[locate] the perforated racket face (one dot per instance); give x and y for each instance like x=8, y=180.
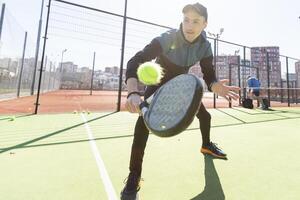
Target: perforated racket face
x=172, y=104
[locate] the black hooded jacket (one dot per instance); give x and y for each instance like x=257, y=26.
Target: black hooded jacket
x=176, y=55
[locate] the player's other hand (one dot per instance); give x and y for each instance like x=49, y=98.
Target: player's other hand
x=228, y=92
x=133, y=102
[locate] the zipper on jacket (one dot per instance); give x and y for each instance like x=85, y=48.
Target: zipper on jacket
x=187, y=56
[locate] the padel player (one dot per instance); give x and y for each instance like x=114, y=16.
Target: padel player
x=176, y=51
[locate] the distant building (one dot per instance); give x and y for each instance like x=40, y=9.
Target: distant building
x=259, y=60
x=68, y=67
x=223, y=63
x=4, y=67
x=227, y=64
x=114, y=70
x=292, y=77
x=292, y=80
x=85, y=70
x=297, y=71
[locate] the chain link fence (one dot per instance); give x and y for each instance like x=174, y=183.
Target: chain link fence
x=87, y=50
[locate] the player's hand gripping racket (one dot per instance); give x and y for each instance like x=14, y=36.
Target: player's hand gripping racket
x=172, y=108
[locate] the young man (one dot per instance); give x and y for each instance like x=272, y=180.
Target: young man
x=176, y=51
x=254, y=90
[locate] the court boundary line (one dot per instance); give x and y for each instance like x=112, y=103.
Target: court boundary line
x=110, y=191
x=232, y=116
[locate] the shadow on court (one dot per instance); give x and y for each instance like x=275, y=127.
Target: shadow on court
x=27, y=143
x=213, y=189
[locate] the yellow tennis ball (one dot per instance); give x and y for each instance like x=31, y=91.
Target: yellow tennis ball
x=150, y=73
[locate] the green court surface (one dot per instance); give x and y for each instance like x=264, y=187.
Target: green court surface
x=86, y=156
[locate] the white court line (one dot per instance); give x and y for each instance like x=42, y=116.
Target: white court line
x=110, y=191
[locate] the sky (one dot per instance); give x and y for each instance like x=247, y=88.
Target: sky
x=249, y=22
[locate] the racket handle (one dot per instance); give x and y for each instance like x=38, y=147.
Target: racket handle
x=144, y=107
x=145, y=104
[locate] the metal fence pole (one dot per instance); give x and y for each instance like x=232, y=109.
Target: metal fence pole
x=215, y=64
x=281, y=91
x=296, y=90
x=268, y=76
x=230, y=105
x=122, y=57
x=287, y=80
x=244, y=63
x=42, y=62
x=44, y=70
x=22, y=66
x=37, y=50
x=239, y=77
x=257, y=76
x=92, y=79
x=2, y=19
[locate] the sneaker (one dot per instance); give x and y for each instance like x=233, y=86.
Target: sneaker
x=213, y=150
x=130, y=191
x=263, y=108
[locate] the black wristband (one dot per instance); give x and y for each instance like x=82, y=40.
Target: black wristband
x=135, y=92
x=210, y=85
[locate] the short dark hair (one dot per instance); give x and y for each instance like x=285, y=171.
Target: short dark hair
x=199, y=8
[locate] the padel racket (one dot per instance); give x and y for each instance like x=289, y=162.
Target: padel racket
x=172, y=108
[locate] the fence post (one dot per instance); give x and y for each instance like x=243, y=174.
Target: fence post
x=244, y=63
x=22, y=66
x=92, y=79
x=239, y=76
x=44, y=70
x=42, y=62
x=122, y=57
x=257, y=72
x=230, y=105
x=268, y=76
x=296, y=92
x=281, y=91
x=287, y=80
x=257, y=76
x=37, y=49
x=215, y=64
x=2, y=19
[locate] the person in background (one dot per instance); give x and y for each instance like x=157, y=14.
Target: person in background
x=254, y=90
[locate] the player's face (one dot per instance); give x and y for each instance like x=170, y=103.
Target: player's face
x=192, y=25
